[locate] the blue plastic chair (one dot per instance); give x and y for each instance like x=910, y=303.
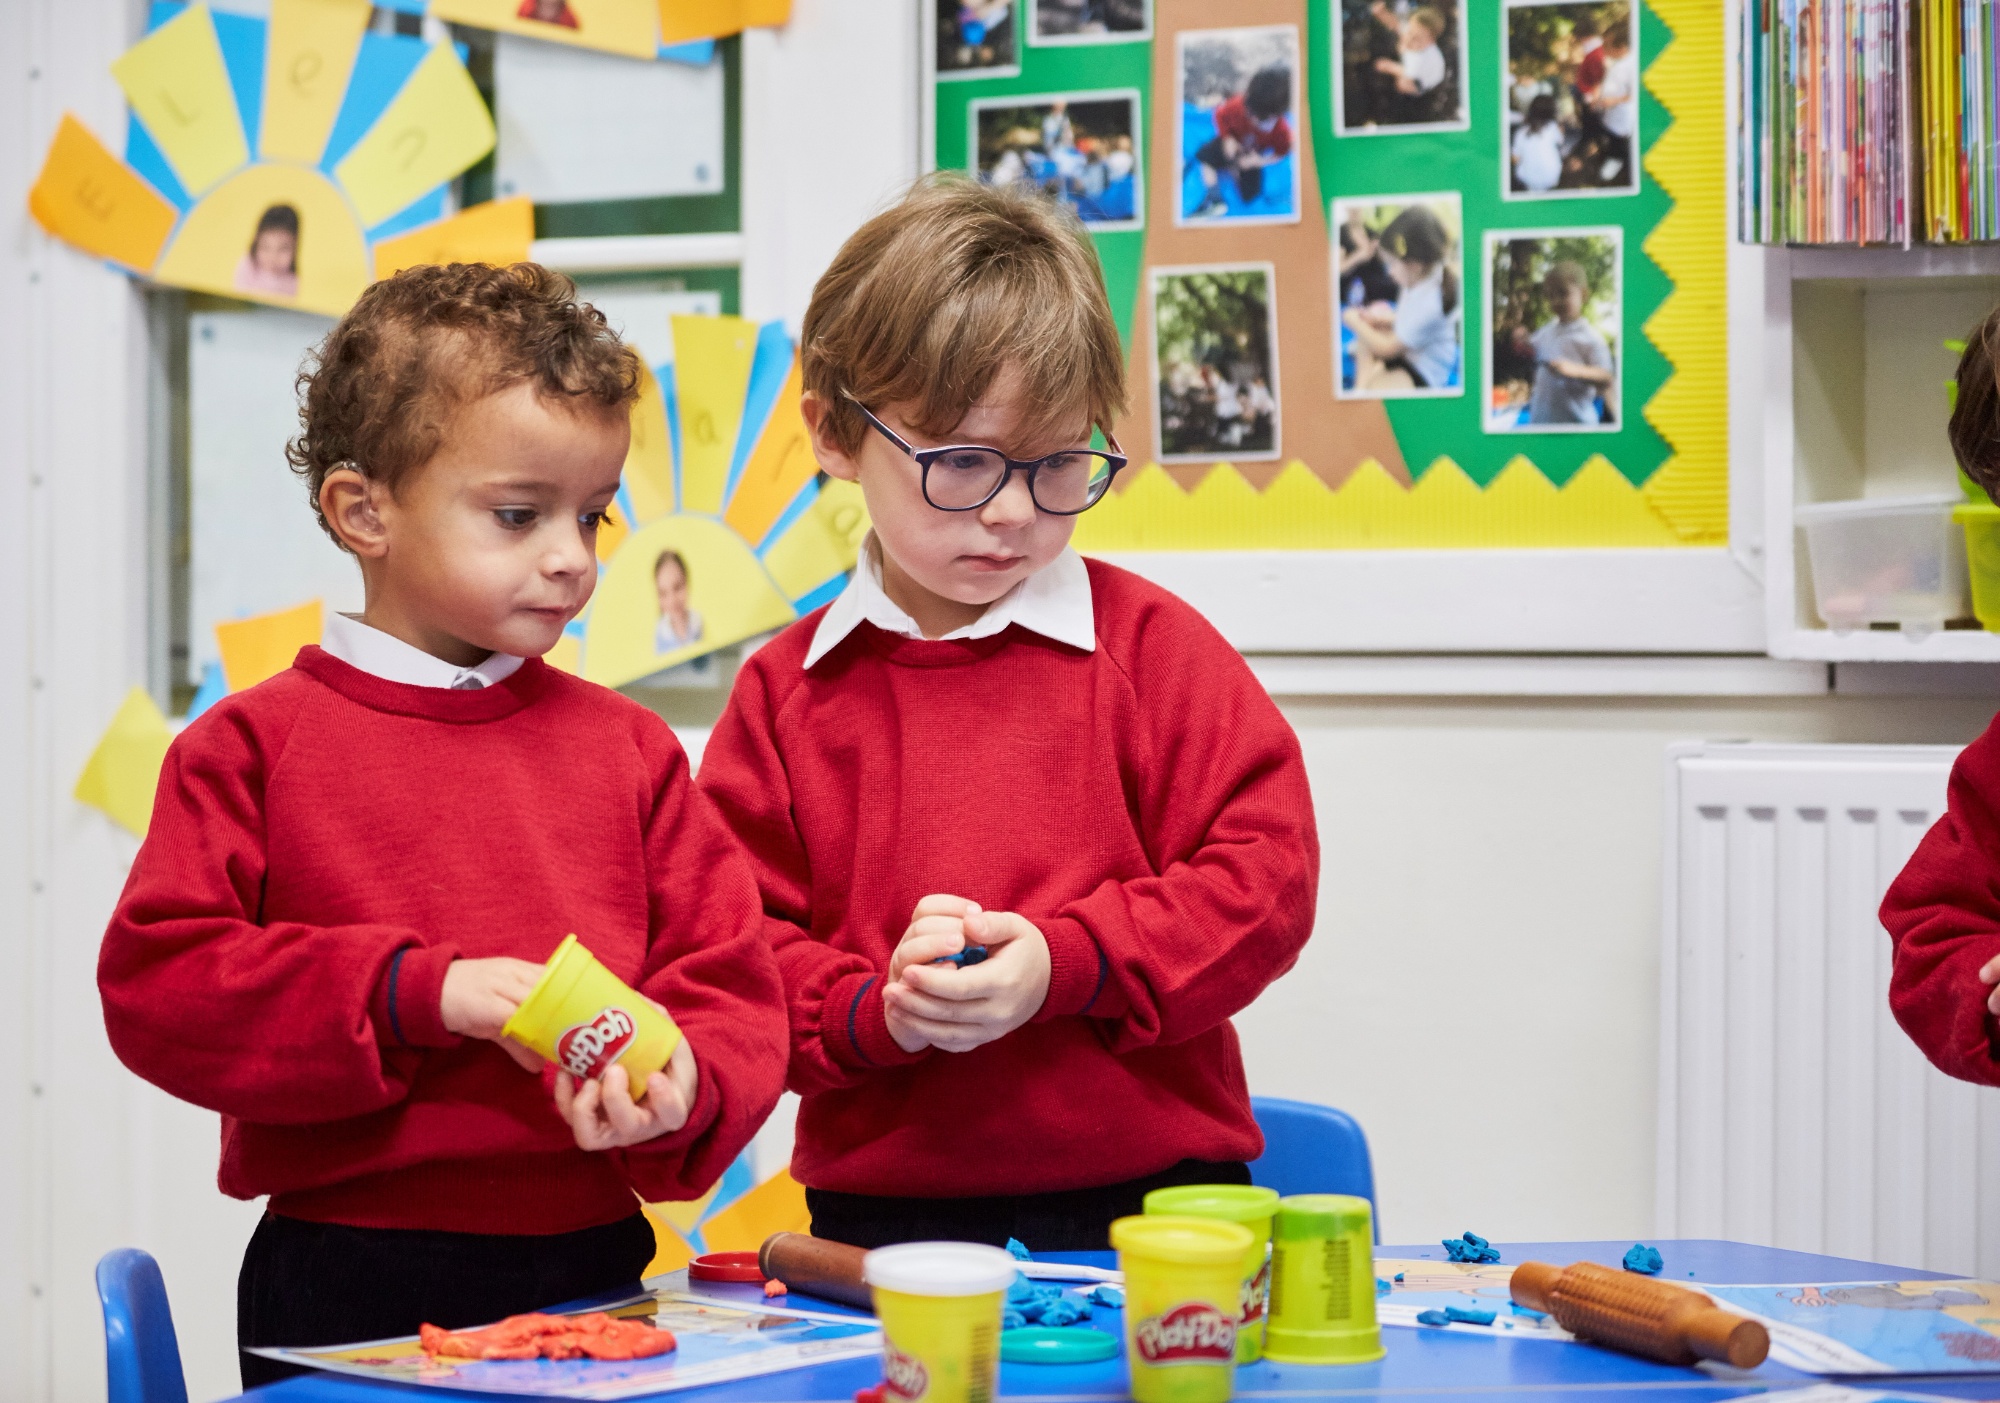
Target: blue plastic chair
x=1312, y=1149
x=142, y=1358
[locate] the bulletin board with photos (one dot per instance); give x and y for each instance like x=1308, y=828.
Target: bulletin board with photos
x=1391, y=273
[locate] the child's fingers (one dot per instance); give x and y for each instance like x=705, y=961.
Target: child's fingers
x=946, y=983
x=1993, y=1002
x=921, y=951
x=943, y=904
x=668, y=1104
x=529, y=1059
x=565, y=1094
x=951, y=1037
x=912, y=1001
x=1990, y=971
x=998, y=927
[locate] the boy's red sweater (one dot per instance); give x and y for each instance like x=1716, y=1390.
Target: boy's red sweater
x=1943, y=913
x=324, y=845
x=1144, y=804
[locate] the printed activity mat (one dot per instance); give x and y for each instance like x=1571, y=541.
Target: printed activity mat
x=1877, y=1327
x=1418, y=1286
x=716, y=1343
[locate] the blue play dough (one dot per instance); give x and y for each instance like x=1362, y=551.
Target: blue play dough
x=1643, y=1259
x=1433, y=1317
x=1470, y=1248
x=1468, y=1315
x=1108, y=1296
x=1382, y=1288
x=1011, y=1319
x=1520, y=1309
x=976, y=955
x=1017, y=1250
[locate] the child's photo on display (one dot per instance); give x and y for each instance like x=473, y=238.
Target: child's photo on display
x=1401, y=67
x=270, y=265
x=1399, y=294
x=1572, y=100
x=1080, y=149
x=978, y=39
x=1554, y=305
x=1215, y=362
x=1239, y=125
x=1089, y=21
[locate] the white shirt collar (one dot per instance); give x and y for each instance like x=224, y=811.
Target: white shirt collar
x=1055, y=602
x=388, y=657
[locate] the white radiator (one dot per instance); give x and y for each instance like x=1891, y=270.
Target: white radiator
x=1793, y=1111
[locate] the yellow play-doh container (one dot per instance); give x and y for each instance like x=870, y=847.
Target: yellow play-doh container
x=1183, y=1291
x=1233, y=1203
x=585, y=1019
x=1323, y=1282
x=939, y=1304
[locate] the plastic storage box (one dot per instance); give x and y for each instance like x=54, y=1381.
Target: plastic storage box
x=1889, y=560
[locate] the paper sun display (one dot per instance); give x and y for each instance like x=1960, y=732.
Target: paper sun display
x=289, y=161
x=683, y=30
x=724, y=529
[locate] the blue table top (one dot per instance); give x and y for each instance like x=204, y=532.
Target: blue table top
x=1421, y=1364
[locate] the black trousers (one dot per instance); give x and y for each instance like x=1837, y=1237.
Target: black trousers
x=322, y=1284
x=1072, y=1220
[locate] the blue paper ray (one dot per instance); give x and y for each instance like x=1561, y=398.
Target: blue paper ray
x=768, y=369
x=427, y=210
x=800, y=505
x=381, y=67
x=147, y=161
x=242, y=39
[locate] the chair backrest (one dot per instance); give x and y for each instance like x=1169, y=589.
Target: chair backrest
x=1312, y=1149
x=142, y=1359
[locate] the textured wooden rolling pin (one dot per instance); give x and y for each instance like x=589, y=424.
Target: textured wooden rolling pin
x=1669, y=1323
x=829, y=1270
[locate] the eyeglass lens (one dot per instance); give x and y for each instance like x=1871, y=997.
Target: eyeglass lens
x=1064, y=484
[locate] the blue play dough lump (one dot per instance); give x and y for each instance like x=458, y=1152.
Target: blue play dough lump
x=1017, y=1250
x=1643, y=1259
x=1065, y=1310
x=1011, y=1319
x=970, y=955
x=1382, y=1288
x=1470, y=1248
x=1468, y=1315
x=1108, y=1296
x=1520, y=1309
x=1433, y=1317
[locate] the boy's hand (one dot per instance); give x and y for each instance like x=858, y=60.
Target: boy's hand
x=603, y=1116
x=958, y=1009
x=1989, y=973
x=479, y=997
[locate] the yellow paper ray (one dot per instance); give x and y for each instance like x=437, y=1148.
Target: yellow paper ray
x=776, y=1205
x=566, y=656
x=209, y=251
x=124, y=769
x=264, y=646
x=780, y=465
x=727, y=588
x=649, y=463
x=497, y=232
x=175, y=80
x=611, y=534
x=712, y=357
x=88, y=197
x=626, y=27
x=822, y=543
x=670, y=1250
x=436, y=127
x=686, y=1216
x=310, y=52
x=685, y=20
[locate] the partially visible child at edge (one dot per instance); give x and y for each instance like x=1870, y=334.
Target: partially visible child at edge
x=1943, y=910
x=987, y=740
x=354, y=868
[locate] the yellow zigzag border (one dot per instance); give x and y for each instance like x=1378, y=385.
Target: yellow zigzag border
x=1684, y=503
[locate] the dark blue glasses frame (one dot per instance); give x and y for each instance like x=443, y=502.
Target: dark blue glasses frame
x=925, y=457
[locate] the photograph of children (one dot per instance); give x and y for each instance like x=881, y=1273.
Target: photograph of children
x=1239, y=117
x=1572, y=99
x=271, y=264
x=1552, y=366
x=977, y=39
x=1399, y=281
x=1215, y=363
x=679, y=626
x=1401, y=67
x=1089, y=21
x=1076, y=148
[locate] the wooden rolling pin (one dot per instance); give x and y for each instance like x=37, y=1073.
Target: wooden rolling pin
x=1669, y=1323
x=829, y=1270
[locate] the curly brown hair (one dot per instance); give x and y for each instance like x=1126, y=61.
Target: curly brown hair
x=378, y=395
x=1975, y=411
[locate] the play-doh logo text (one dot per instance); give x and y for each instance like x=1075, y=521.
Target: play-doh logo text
x=903, y=1375
x=1195, y=1333
x=589, y=1048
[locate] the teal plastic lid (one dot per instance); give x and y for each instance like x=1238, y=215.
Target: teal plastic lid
x=1042, y=1344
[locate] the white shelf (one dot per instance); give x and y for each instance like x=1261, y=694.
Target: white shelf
x=1949, y=645
x=1920, y=261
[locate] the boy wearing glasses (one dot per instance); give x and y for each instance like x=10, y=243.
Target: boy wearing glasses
x=987, y=741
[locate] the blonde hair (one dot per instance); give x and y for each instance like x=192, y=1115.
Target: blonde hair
x=927, y=302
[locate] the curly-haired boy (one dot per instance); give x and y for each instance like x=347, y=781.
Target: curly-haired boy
x=354, y=867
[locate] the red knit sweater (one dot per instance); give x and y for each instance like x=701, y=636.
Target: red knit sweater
x=324, y=845
x=1144, y=804
x=1943, y=913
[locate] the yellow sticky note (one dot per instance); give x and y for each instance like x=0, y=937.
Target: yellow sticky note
x=256, y=648
x=309, y=55
x=88, y=197
x=670, y=1250
x=649, y=463
x=175, y=80
x=433, y=129
x=497, y=232
x=776, y=1205
x=712, y=358
x=685, y=20
x=124, y=770
x=779, y=467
